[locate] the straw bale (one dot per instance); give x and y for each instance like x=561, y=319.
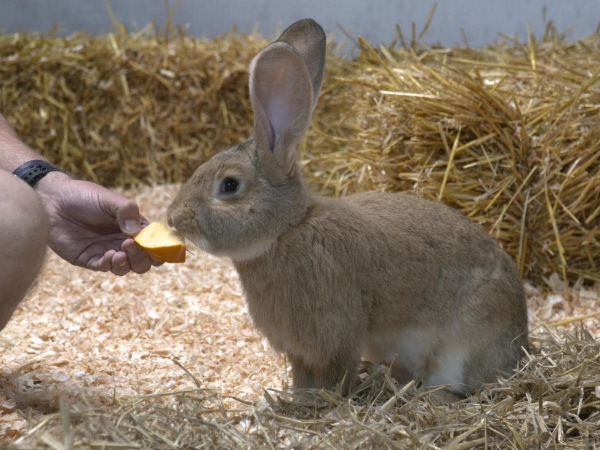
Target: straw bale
x=108, y=346
x=508, y=134
x=125, y=109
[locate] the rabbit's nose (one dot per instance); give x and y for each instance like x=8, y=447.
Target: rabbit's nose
x=173, y=219
x=176, y=219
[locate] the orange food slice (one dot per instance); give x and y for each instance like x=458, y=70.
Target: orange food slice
x=161, y=244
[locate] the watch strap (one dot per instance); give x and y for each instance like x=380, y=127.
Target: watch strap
x=33, y=171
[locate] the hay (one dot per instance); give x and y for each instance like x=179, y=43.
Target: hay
x=507, y=134
x=552, y=402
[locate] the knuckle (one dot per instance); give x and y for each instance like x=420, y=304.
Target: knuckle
x=130, y=205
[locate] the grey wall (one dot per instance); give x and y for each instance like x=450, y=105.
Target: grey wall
x=481, y=20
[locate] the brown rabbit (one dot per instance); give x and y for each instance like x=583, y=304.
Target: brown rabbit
x=393, y=278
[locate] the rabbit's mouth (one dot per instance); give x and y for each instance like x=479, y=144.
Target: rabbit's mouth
x=200, y=241
x=244, y=253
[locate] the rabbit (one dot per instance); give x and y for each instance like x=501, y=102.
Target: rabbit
x=390, y=278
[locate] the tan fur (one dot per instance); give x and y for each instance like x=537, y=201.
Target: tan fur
x=393, y=277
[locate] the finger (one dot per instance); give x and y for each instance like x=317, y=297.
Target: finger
x=120, y=264
x=101, y=263
x=139, y=261
x=119, y=259
x=126, y=211
x=156, y=263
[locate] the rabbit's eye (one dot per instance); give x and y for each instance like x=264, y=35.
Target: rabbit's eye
x=229, y=185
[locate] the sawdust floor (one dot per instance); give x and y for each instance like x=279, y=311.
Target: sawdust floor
x=80, y=332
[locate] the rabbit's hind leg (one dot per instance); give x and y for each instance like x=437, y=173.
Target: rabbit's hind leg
x=446, y=367
x=494, y=357
x=405, y=351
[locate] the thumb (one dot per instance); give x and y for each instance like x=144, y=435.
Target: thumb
x=126, y=211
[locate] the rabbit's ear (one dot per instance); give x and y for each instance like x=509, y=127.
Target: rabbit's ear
x=281, y=95
x=308, y=39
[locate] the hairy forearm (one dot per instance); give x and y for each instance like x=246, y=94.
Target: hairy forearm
x=13, y=151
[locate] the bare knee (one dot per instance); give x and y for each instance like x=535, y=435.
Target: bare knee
x=22, y=218
x=24, y=228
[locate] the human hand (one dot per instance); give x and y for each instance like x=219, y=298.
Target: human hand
x=91, y=226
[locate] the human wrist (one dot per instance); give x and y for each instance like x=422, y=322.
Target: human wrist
x=49, y=187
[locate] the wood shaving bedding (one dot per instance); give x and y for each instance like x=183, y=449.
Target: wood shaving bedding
x=80, y=332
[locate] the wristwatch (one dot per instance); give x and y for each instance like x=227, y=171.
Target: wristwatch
x=33, y=171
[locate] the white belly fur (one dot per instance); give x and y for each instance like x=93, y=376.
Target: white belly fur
x=419, y=353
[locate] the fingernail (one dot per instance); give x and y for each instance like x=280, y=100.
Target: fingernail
x=123, y=263
x=131, y=226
